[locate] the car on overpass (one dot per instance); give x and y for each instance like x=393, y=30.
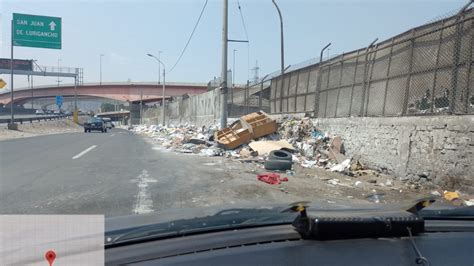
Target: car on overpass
x=95, y=123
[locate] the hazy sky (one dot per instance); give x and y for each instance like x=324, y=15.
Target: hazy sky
x=124, y=31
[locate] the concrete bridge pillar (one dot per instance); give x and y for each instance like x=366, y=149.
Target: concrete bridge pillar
x=134, y=113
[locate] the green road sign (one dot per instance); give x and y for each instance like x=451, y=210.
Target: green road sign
x=36, y=31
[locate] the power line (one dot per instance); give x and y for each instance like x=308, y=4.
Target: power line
x=243, y=21
x=246, y=36
x=190, y=36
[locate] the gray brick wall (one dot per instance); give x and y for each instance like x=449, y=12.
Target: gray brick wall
x=439, y=147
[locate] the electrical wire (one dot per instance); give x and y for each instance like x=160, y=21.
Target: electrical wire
x=190, y=37
x=246, y=36
x=243, y=21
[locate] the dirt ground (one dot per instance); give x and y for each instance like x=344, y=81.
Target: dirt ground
x=232, y=181
x=40, y=128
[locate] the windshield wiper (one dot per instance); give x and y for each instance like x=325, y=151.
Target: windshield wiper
x=223, y=220
x=460, y=213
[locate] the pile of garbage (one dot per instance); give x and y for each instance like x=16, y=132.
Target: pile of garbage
x=253, y=138
x=184, y=138
x=314, y=147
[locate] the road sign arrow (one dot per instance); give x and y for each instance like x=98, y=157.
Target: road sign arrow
x=52, y=25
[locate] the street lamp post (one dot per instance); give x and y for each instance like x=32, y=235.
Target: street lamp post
x=59, y=60
x=233, y=82
x=282, y=52
x=100, y=68
x=159, y=65
x=164, y=86
x=233, y=69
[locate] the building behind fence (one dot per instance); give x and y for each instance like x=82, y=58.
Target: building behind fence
x=426, y=70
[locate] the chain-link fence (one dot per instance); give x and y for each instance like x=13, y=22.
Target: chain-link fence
x=251, y=98
x=426, y=70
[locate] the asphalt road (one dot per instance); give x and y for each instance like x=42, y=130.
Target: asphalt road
x=114, y=173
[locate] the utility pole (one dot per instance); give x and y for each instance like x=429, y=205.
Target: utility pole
x=100, y=67
x=163, y=99
x=282, y=52
x=224, y=66
x=141, y=106
x=75, y=114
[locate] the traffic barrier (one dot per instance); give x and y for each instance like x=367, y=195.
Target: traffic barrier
x=31, y=119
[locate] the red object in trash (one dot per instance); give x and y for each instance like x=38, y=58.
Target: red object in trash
x=271, y=178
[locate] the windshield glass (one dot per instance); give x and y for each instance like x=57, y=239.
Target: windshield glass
x=338, y=103
x=94, y=119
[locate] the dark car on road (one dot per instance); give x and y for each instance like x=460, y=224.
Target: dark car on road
x=95, y=123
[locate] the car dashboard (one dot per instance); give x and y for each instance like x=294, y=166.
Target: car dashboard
x=444, y=243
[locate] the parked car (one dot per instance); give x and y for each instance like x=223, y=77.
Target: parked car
x=95, y=123
x=39, y=112
x=108, y=122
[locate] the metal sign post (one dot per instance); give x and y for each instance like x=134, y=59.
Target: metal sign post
x=11, y=125
x=59, y=101
x=32, y=31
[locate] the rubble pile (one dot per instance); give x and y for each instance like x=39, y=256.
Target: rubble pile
x=183, y=138
x=309, y=146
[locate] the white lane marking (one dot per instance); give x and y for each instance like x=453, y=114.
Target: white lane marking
x=112, y=135
x=144, y=202
x=79, y=155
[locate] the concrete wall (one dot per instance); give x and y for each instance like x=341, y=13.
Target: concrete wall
x=439, y=146
x=204, y=109
x=201, y=109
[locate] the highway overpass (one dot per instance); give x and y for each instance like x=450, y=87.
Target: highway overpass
x=121, y=91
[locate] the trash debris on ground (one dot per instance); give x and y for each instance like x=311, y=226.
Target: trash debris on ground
x=469, y=202
x=245, y=152
x=280, y=155
x=356, y=166
x=265, y=147
x=210, y=152
x=336, y=151
x=308, y=164
x=271, y=178
x=251, y=126
x=232, y=137
x=281, y=165
x=451, y=195
x=375, y=197
x=343, y=166
x=257, y=139
x=259, y=123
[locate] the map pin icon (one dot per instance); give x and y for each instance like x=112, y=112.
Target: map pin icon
x=50, y=257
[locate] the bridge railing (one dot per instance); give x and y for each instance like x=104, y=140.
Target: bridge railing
x=31, y=119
